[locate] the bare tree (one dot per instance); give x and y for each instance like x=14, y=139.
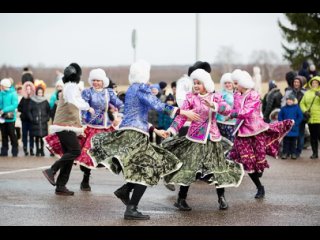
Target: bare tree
x=267, y=61
x=227, y=56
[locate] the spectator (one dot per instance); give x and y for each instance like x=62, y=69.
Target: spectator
x=271, y=100
x=289, y=78
x=53, y=98
x=312, y=71
x=304, y=70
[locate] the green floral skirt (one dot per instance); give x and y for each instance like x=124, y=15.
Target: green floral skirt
x=131, y=153
x=205, y=162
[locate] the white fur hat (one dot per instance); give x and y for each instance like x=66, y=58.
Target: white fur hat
x=225, y=78
x=139, y=72
x=59, y=83
x=236, y=75
x=204, y=77
x=6, y=82
x=246, y=80
x=98, y=74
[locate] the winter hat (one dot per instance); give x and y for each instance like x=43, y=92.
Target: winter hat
x=204, y=77
x=290, y=77
x=72, y=73
x=199, y=65
x=272, y=84
x=139, y=72
x=245, y=80
x=6, y=82
x=312, y=67
x=59, y=83
x=170, y=97
x=225, y=78
x=162, y=85
x=236, y=75
x=98, y=74
x=155, y=86
x=292, y=97
x=27, y=77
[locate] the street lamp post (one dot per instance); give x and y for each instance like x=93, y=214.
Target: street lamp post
x=134, y=43
x=197, y=36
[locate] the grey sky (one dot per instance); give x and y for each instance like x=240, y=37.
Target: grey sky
x=105, y=39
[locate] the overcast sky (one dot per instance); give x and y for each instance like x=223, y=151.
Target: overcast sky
x=105, y=39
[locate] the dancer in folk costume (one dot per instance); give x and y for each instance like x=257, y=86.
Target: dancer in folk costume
x=226, y=127
x=66, y=126
x=201, y=150
x=129, y=150
x=254, y=138
x=96, y=119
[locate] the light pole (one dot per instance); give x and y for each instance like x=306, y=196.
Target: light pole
x=134, y=43
x=197, y=36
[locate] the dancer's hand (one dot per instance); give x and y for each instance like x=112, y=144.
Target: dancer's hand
x=209, y=104
x=91, y=110
x=190, y=114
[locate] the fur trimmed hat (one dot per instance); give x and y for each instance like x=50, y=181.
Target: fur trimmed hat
x=6, y=82
x=226, y=77
x=72, y=73
x=236, y=74
x=27, y=77
x=203, y=77
x=199, y=65
x=139, y=72
x=98, y=74
x=59, y=83
x=245, y=80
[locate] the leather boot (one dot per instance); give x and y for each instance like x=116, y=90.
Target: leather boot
x=123, y=194
x=25, y=150
x=223, y=205
x=84, y=186
x=132, y=213
x=42, y=152
x=62, y=190
x=260, y=193
x=182, y=205
x=49, y=174
x=31, y=152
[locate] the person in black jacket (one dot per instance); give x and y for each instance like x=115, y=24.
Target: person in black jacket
x=271, y=100
x=39, y=114
x=28, y=90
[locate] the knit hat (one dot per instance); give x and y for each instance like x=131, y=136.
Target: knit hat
x=72, y=73
x=272, y=84
x=199, y=65
x=204, y=77
x=292, y=97
x=139, y=72
x=245, y=80
x=156, y=85
x=98, y=74
x=162, y=85
x=290, y=77
x=6, y=82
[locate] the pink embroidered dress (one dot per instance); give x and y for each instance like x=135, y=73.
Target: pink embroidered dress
x=200, y=150
x=255, y=139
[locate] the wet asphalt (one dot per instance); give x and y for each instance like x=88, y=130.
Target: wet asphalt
x=27, y=199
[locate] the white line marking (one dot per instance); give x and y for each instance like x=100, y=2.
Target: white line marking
x=24, y=170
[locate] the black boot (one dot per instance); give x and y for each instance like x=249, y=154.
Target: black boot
x=25, y=150
x=49, y=174
x=42, y=152
x=62, y=190
x=84, y=186
x=132, y=213
x=223, y=205
x=182, y=205
x=314, y=156
x=123, y=194
x=31, y=152
x=38, y=152
x=260, y=193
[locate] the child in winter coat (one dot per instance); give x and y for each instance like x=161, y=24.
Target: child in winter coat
x=291, y=111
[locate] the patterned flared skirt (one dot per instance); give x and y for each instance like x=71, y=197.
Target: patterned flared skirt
x=130, y=152
x=251, y=151
x=205, y=162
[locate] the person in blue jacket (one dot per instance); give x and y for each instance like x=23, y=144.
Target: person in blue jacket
x=8, y=106
x=291, y=111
